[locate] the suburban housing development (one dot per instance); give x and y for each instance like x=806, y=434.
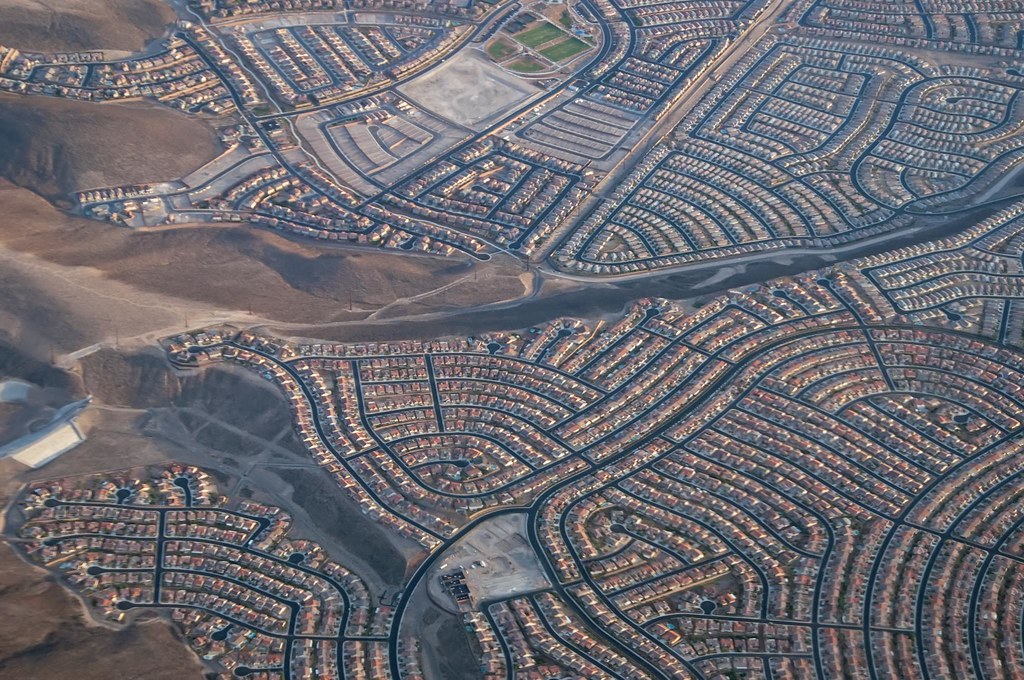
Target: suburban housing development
x=599, y=137
x=815, y=475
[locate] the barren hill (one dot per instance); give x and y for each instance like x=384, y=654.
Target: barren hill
x=69, y=25
x=57, y=146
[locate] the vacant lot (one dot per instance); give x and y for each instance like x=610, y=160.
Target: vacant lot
x=447, y=648
x=342, y=520
x=468, y=89
x=565, y=49
x=497, y=559
x=538, y=35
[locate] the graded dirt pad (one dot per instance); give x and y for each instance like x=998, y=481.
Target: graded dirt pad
x=72, y=25
x=57, y=146
x=43, y=635
x=497, y=559
x=468, y=89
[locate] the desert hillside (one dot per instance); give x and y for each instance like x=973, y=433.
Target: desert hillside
x=68, y=25
x=57, y=146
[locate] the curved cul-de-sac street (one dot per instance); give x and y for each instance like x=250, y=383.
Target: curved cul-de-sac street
x=818, y=476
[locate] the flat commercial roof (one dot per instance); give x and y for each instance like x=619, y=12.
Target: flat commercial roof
x=41, y=450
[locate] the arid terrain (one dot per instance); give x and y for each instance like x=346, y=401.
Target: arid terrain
x=56, y=147
x=572, y=338
x=69, y=25
x=62, y=273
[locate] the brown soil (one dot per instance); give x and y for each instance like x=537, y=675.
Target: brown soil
x=56, y=146
x=70, y=25
x=70, y=282
x=342, y=520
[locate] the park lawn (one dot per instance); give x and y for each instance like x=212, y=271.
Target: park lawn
x=499, y=49
x=565, y=19
x=525, y=65
x=538, y=35
x=565, y=49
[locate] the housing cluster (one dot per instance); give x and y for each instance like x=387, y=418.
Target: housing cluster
x=809, y=141
x=596, y=137
x=176, y=75
x=251, y=601
x=813, y=477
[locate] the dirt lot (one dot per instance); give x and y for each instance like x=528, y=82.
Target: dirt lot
x=468, y=89
x=496, y=558
x=346, y=525
x=447, y=650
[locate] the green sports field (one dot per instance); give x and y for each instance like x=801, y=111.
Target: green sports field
x=499, y=49
x=525, y=65
x=538, y=35
x=565, y=49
